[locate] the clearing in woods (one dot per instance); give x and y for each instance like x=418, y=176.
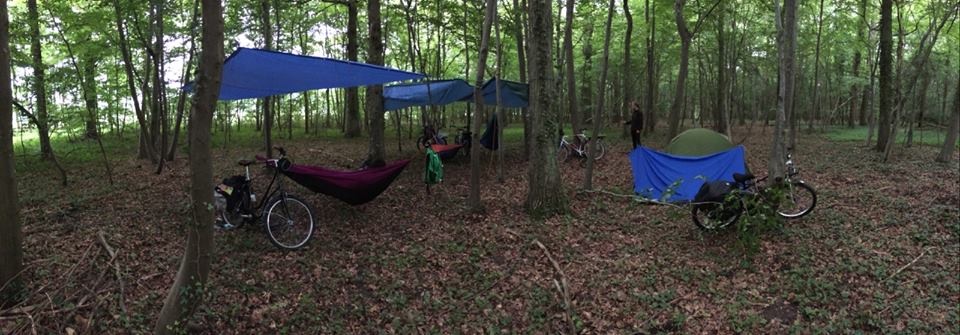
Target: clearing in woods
x=878, y=254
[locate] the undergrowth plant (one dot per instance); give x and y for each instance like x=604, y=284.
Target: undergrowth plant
x=759, y=216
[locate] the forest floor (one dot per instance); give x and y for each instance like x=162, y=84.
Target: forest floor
x=879, y=253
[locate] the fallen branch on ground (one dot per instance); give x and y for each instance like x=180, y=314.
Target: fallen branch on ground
x=561, y=284
x=908, y=264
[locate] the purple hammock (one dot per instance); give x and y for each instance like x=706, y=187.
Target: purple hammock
x=353, y=187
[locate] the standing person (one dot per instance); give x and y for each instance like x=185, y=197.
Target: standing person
x=636, y=123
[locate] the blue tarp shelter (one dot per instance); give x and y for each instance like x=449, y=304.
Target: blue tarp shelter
x=256, y=73
x=655, y=173
x=442, y=92
x=434, y=92
x=512, y=94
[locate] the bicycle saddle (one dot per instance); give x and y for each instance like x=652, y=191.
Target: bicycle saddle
x=742, y=178
x=245, y=162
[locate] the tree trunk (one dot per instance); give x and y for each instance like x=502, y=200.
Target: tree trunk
x=573, y=107
x=720, y=110
x=352, y=116
x=473, y=201
x=374, y=93
x=786, y=46
x=675, y=108
x=626, y=76
x=917, y=115
x=39, y=84
x=946, y=152
x=651, y=113
x=40, y=117
x=886, y=73
x=266, y=30
x=545, y=191
x=190, y=285
x=601, y=90
x=816, y=73
x=851, y=116
x=519, y=36
x=146, y=150
x=184, y=78
x=159, y=92
x=586, y=95
x=90, y=98
x=11, y=234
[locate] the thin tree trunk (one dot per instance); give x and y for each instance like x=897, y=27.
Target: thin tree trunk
x=626, y=76
x=147, y=150
x=352, y=115
x=786, y=45
x=573, y=107
x=266, y=30
x=40, y=118
x=374, y=93
x=816, y=73
x=182, y=95
x=597, y=112
x=950, y=143
x=519, y=37
x=473, y=201
x=886, y=73
x=651, y=113
x=190, y=285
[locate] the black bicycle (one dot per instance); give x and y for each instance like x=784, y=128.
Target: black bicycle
x=464, y=138
x=429, y=136
x=287, y=218
x=728, y=203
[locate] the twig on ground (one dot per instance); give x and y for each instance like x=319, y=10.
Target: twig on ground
x=561, y=283
x=908, y=264
x=116, y=269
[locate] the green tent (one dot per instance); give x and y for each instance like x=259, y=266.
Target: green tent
x=698, y=142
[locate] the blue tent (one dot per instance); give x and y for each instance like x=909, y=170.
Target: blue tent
x=672, y=178
x=435, y=92
x=256, y=73
x=512, y=94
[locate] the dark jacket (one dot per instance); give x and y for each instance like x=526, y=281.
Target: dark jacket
x=636, y=122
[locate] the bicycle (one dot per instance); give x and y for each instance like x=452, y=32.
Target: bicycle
x=430, y=136
x=463, y=138
x=580, y=147
x=799, y=199
x=288, y=219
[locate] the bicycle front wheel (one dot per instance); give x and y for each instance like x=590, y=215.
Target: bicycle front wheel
x=289, y=222
x=798, y=201
x=563, y=153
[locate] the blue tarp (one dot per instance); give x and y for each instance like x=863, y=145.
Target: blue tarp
x=655, y=172
x=256, y=73
x=435, y=92
x=512, y=94
x=442, y=92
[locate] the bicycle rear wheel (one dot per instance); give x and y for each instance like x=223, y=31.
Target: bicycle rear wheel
x=289, y=222
x=600, y=151
x=798, y=201
x=717, y=216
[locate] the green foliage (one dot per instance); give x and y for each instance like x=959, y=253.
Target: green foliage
x=759, y=217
